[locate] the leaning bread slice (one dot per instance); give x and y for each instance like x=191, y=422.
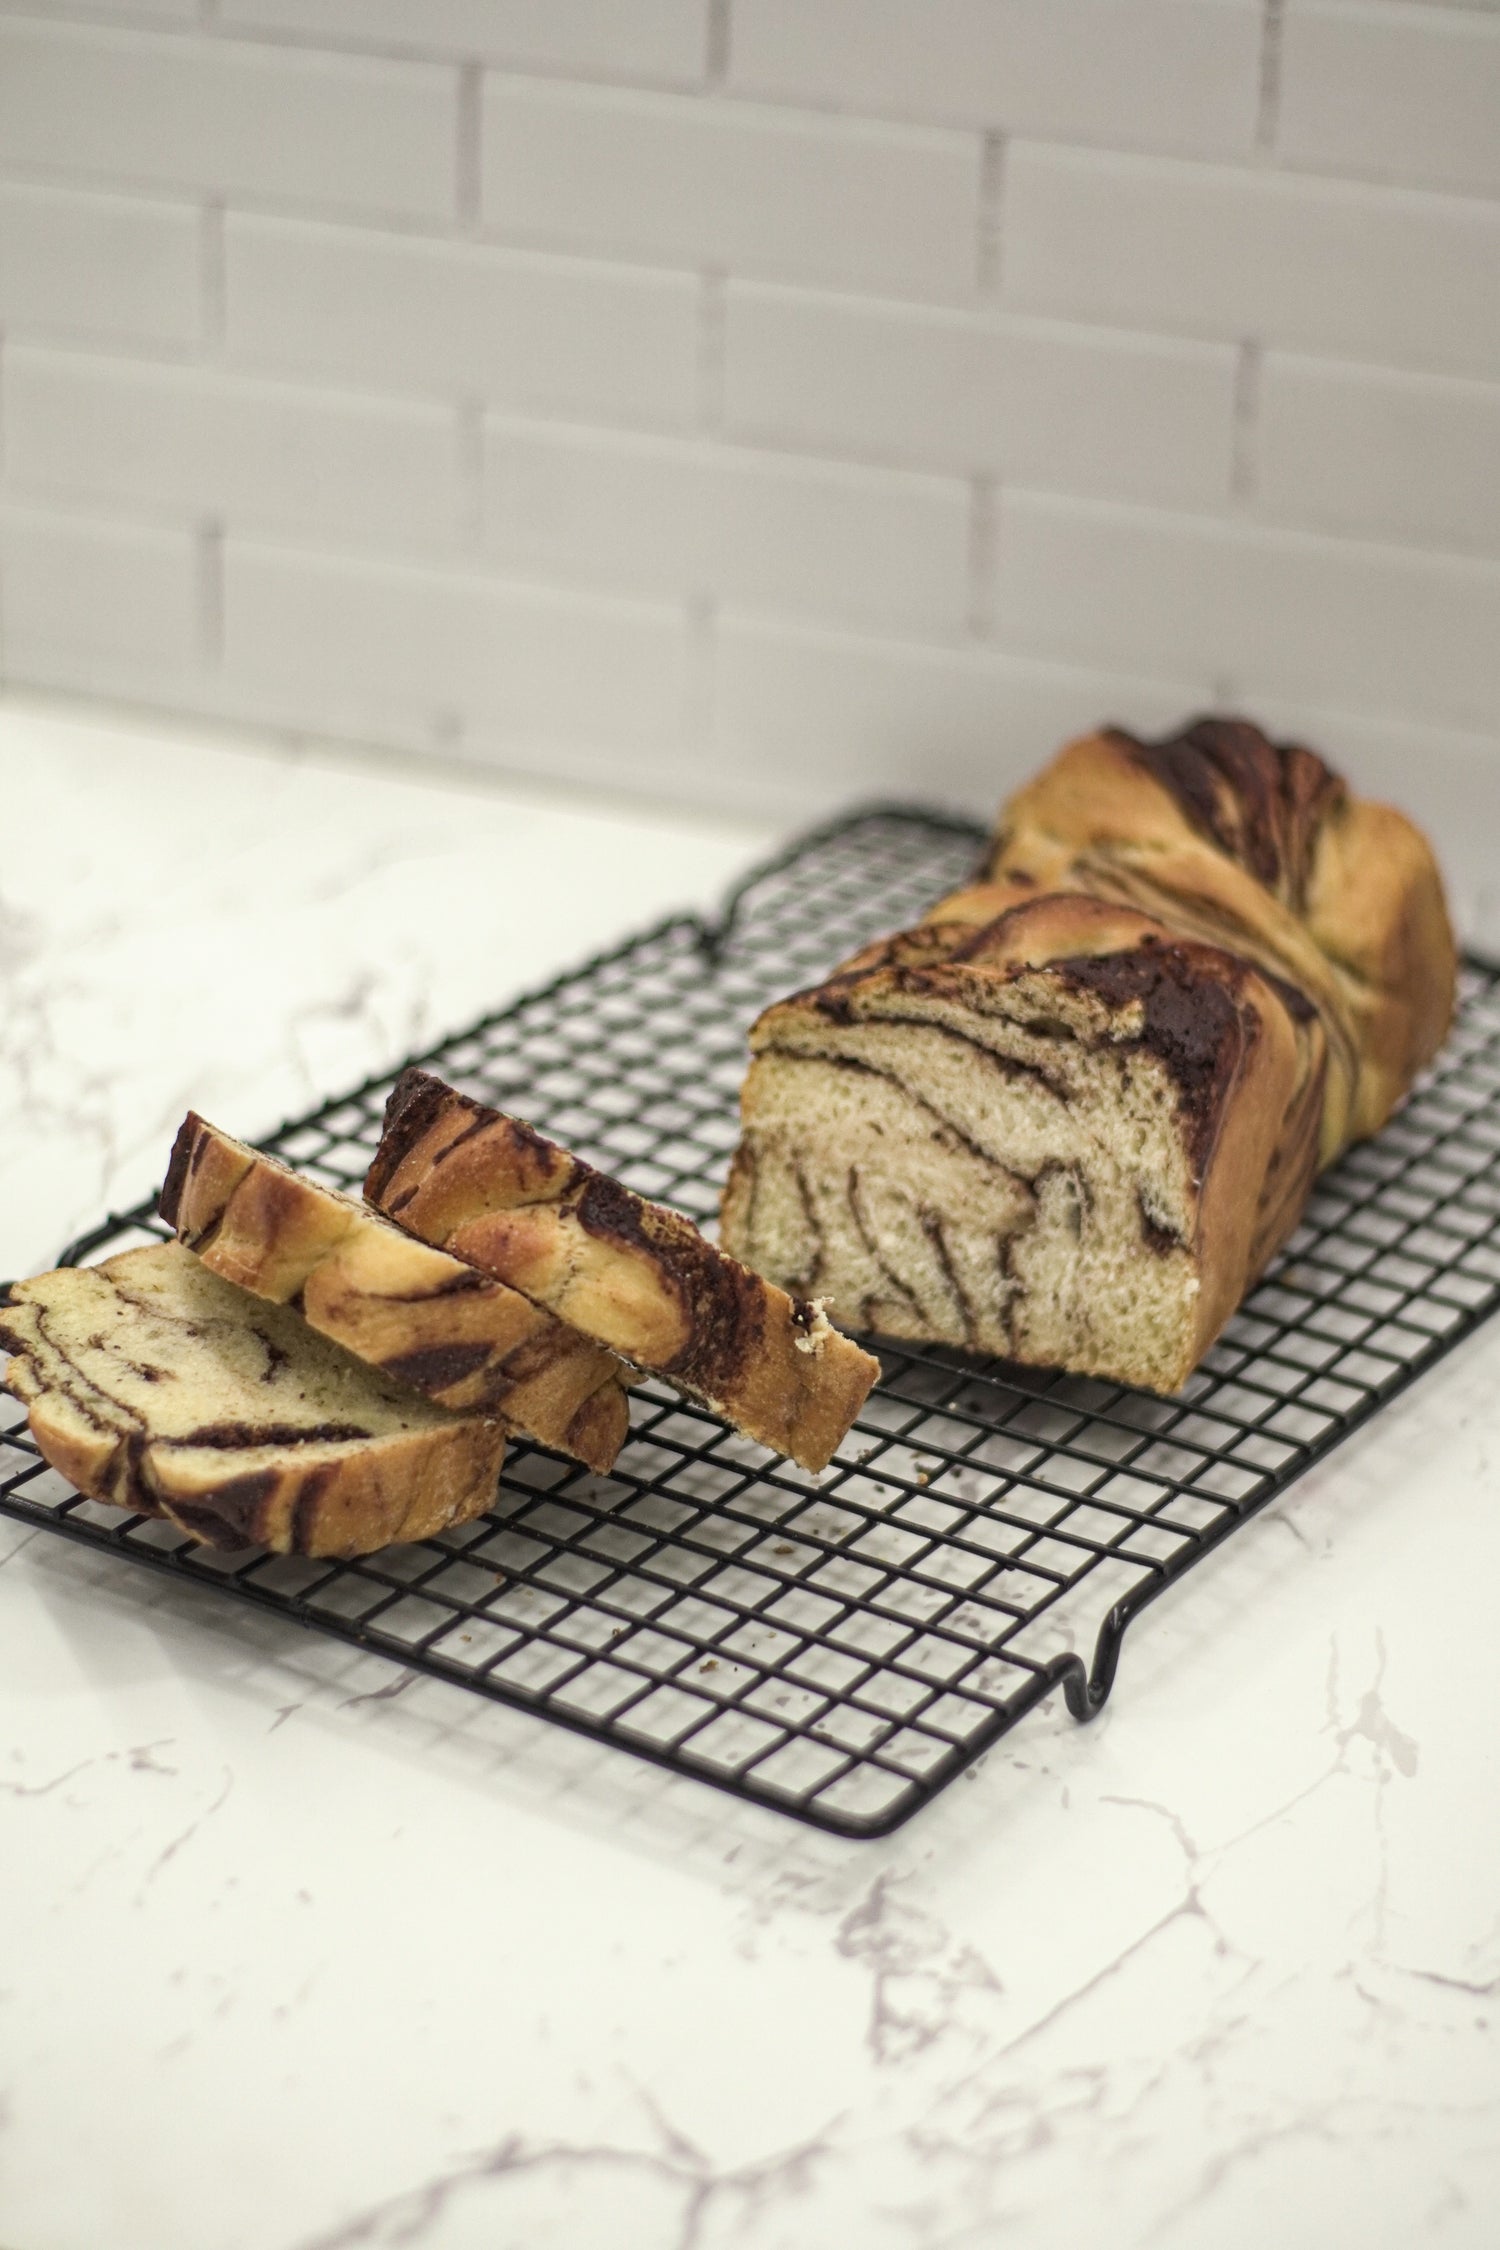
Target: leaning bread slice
x=635, y=1276
x=461, y=1337
x=156, y=1386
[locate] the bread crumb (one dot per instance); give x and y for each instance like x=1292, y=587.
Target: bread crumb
x=821, y=1329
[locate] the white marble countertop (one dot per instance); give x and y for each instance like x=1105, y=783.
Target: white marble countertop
x=299, y=1952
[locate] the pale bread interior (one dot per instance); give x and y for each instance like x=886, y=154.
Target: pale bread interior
x=153, y=1341
x=1011, y=1181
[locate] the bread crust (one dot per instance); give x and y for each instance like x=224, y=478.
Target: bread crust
x=457, y=1335
x=1274, y=949
x=335, y=1490
x=1258, y=847
x=629, y=1273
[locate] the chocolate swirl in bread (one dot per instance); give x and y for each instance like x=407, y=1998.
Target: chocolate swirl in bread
x=421, y=1316
x=631, y=1274
x=1257, y=847
x=1070, y=1116
x=154, y=1385
x=1261, y=802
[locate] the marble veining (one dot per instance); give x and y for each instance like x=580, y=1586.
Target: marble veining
x=304, y=1951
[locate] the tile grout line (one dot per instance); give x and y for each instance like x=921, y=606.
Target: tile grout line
x=338, y=541
x=1268, y=104
x=712, y=343
x=1245, y=409
x=984, y=541
x=357, y=219
x=468, y=439
x=718, y=33
x=700, y=697
x=209, y=560
x=212, y=279
x=468, y=185
x=988, y=261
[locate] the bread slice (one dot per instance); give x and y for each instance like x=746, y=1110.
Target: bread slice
x=1063, y=1137
x=635, y=1276
x=1071, y=1115
x=155, y=1385
x=455, y=1334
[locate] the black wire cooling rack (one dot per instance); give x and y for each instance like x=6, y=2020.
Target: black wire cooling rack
x=842, y=1646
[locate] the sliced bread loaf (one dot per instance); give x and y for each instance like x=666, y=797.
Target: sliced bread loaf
x=1071, y=1115
x=631, y=1274
x=1050, y=1138
x=155, y=1385
x=457, y=1335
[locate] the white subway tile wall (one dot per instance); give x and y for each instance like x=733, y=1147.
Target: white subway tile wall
x=99, y=268
x=107, y=607
x=1169, y=74
x=1248, y=610
x=462, y=322
x=183, y=443
x=732, y=185
x=1401, y=277
x=660, y=516
x=770, y=400
x=1092, y=410
x=351, y=635
x=228, y=118
x=1388, y=94
x=1381, y=454
x=658, y=41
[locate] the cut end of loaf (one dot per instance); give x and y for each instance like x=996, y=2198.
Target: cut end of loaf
x=1008, y=1163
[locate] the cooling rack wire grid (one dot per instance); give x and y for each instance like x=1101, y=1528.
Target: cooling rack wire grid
x=840, y=1647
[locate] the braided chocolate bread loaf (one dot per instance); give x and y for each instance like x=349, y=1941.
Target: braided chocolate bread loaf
x=1069, y=1117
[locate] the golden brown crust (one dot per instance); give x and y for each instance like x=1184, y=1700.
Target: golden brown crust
x=406, y=1489
x=1257, y=847
x=131, y=1414
x=1376, y=910
x=1281, y=947
x=635, y=1276
x=424, y=1317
